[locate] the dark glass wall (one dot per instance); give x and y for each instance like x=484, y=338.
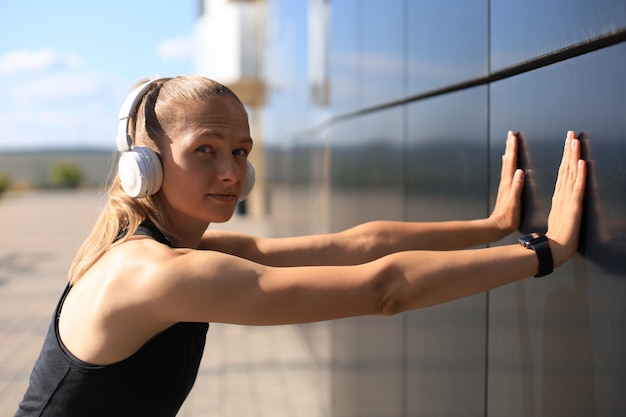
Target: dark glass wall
x=367, y=182
x=447, y=173
x=525, y=30
x=446, y=43
x=420, y=98
x=562, y=336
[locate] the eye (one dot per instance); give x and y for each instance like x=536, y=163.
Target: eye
x=241, y=152
x=204, y=149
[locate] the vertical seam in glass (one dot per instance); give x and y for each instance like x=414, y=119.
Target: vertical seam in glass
x=405, y=186
x=359, y=55
x=488, y=122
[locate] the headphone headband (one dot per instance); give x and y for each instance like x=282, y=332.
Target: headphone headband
x=123, y=140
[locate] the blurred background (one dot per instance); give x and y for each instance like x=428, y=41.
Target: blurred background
x=375, y=109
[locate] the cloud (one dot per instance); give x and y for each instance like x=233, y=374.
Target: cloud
x=62, y=86
x=81, y=122
x=28, y=61
x=51, y=99
x=176, y=49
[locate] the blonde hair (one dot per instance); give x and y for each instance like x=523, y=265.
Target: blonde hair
x=153, y=122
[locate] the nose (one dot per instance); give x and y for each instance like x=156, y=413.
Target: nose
x=229, y=171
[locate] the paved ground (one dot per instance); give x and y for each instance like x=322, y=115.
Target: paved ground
x=246, y=371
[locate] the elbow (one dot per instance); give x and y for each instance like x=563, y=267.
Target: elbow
x=393, y=294
x=389, y=306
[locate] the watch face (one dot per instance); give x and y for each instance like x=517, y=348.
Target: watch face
x=525, y=240
x=531, y=238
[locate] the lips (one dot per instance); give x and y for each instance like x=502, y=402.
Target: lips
x=226, y=197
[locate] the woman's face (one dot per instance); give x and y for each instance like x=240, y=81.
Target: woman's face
x=204, y=166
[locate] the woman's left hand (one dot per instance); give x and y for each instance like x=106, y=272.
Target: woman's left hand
x=507, y=212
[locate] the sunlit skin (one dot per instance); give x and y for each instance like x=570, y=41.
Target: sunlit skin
x=205, y=166
x=139, y=288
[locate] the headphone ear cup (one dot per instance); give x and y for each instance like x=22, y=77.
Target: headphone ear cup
x=140, y=172
x=248, y=184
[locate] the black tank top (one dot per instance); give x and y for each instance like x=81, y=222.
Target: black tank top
x=154, y=381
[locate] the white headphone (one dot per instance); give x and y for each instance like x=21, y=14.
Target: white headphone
x=139, y=167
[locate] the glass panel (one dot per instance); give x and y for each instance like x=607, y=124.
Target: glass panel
x=447, y=180
x=557, y=344
x=344, y=44
x=446, y=44
x=381, y=59
x=366, y=175
x=521, y=30
x=367, y=184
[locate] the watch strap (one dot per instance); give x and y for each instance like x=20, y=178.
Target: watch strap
x=539, y=243
x=544, y=255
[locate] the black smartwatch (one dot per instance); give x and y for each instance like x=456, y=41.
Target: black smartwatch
x=539, y=243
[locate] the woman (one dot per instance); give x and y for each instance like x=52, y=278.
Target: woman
x=129, y=331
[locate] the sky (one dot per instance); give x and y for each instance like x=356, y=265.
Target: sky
x=67, y=65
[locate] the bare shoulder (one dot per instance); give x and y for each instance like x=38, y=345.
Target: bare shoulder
x=166, y=285
x=108, y=314
x=140, y=288
x=142, y=271
x=121, y=279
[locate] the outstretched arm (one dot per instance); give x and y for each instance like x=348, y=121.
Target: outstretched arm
x=372, y=240
x=471, y=272
x=200, y=285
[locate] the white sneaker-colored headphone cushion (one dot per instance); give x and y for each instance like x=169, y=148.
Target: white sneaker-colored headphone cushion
x=248, y=184
x=140, y=171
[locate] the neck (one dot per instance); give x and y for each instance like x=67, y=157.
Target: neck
x=188, y=235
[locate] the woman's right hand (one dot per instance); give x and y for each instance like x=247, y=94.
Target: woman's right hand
x=566, y=212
